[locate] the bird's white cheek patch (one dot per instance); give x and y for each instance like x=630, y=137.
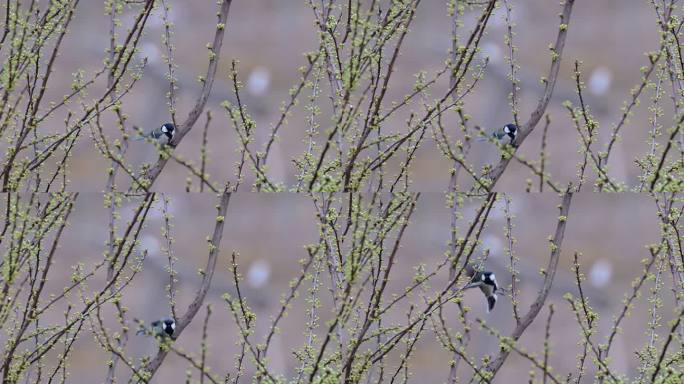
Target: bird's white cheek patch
x=164, y=129
x=173, y=326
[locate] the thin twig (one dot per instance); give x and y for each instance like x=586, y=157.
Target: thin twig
x=549, y=274
x=207, y=83
x=550, y=83
x=207, y=275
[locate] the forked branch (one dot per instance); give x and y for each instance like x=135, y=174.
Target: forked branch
x=549, y=274
x=207, y=83
x=207, y=275
x=550, y=81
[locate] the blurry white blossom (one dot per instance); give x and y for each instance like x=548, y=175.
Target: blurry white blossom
x=151, y=244
x=492, y=51
x=258, y=273
x=599, y=81
x=258, y=81
x=600, y=273
x=151, y=52
x=494, y=244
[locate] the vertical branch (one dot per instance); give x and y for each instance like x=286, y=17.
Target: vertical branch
x=627, y=111
x=286, y=300
x=171, y=75
x=207, y=275
x=547, y=347
x=674, y=131
x=294, y=94
x=455, y=23
x=589, y=316
x=312, y=316
x=663, y=351
x=550, y=83
x=203, y=151
x=166, y=233
x=656, y=303
x=111, y=181
x=543, y=155
x=511, y=60
x=549, y=274
x=656, y=129
x=636, y=289
x=513, y=259
x=207, y=83
x=591, y=127
x=453, y=8
x=245, y=320
x=204, y=344
x=312, y=125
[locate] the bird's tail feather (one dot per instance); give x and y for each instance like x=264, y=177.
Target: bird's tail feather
x=491, y=300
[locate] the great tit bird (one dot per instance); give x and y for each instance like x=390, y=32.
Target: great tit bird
x=164, y=327
x=162, y=135
x=509, y=131
x=486, y=281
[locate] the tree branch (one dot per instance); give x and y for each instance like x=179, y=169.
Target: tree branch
x=207, y=274
x=550, y=272
x=528, y=127
x=208, y=82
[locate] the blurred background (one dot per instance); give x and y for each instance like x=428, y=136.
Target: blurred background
x=268, y=37
x=270, y=231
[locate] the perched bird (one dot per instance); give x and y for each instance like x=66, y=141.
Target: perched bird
x=509, y=131
x=162, y=135
x=163, y=327
x=486, y=281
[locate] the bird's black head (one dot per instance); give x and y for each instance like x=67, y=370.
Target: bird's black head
x=489, y=278
x=168, y=129
x=511, y=130
x=169, y=326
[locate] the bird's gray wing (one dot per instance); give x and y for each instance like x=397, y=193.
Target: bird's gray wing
x=473, y=284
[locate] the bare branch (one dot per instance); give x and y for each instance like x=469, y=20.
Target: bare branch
x=207, y=275
x=550, y=81
x=208, y=82
x=549, y=273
